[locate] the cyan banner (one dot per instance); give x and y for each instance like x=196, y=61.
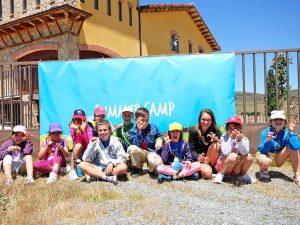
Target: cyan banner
x=173, y=88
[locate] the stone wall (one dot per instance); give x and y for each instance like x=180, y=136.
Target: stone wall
x=32, y=8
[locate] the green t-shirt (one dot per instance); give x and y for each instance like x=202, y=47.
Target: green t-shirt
x=120, y=133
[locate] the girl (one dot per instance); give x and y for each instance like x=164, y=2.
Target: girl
x=175, y=148
x=53, y=153
x=104, y=157
x=235, y=159
x=16, y=155
x=204, y=142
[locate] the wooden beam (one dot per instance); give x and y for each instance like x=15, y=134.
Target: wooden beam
x=4, y=41
x=19, y=35
x=29, y=35
x=31, y=23
x=80, y=26
x=14, y=43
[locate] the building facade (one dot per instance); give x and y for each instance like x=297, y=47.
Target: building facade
x=34, y=30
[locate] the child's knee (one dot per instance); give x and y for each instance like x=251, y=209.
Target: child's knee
x=7, y=160
x=206, y=172
x=133, y=150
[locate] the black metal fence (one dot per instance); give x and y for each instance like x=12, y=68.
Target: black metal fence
x=19, y=93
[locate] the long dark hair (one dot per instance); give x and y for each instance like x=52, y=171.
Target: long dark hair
x=213, y=125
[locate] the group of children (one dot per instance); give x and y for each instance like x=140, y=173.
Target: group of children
x=104, y=152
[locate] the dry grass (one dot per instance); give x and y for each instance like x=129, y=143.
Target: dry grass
x=49, y=204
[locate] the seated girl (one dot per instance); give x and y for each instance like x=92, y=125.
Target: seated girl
x=176, y=149
x=53, y=153
x=235, y=159
x=16, y=155
x=104, y=157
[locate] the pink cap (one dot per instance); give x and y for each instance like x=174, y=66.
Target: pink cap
x=99, y=111
x=234, y=119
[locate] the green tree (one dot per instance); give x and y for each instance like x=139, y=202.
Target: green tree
x=282, y=85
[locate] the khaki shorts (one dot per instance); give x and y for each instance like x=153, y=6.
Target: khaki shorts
x=272, y=157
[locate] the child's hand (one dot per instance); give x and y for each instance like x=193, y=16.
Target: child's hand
x=158, y=143
x=166, y=138
x=213, y=137
x=188, y=164
x=27, y=136
x=14, y=149
x=59, y=147
x=109, y=169
x=239, y=136
x=202, y=158
x=73, y=126
x=120, y=126
x=292, y=125
x=94, y=140
x=49, y=141
x=270, y=136
x=83, y=126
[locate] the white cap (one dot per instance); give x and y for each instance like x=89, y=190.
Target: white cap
x=276, y=114
x=20, y=128
x=127, y=109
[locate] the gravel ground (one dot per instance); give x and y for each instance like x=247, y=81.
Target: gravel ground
x=144, y=201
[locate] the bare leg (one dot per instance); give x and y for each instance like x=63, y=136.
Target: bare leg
x=228, y=164
x=29, y=165
x=213, y=153
x=264, y=162
x=243, y=165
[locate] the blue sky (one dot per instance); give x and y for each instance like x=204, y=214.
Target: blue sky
x=250, y=25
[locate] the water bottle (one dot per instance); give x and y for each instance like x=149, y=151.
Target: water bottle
x=77, y=169
x=177, y=166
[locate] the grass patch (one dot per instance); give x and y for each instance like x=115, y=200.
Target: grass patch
x=67, y=201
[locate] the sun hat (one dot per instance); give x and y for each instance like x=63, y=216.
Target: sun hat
x=19, y=128
x=55, y=127
x=127, y=109
x=277, y=114
x=79, y=114
x=175, y=126
x=234, y=119
x=99, y=110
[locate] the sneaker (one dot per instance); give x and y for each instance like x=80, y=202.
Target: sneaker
x=152, y=175
x=247, y=179
x=219, y=178
x=73, y=175
x=135, y=172
x=89, y=179
x=296, y=181
x=64, y=170
x=264, y=176
x=112, y=179
x=29, y=180
x=52, y=178
x=9, y=181
x=194, y=176
x=161, y=178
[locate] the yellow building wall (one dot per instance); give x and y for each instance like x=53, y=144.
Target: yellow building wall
x=156, y=33
x=107, y=31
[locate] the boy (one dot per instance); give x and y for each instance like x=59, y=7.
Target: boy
x=145, y=139
x=16, y=155
x=122, y=129
x=277, y=145
x=104, y=157
x=81, y=134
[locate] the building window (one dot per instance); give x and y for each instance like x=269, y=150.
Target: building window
x=38, y=2
x=200, y=49
x=190, y=47
x=108, y=8
x=0, y=9
x=12, y=7
x=24, y=5
x=130, y=16
x=120, y=10
x=96, y=4
x=174, y=43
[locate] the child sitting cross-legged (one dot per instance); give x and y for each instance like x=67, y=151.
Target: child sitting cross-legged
x=176, y=157
x=104, y=156
x=53, y=153
x=235, y=159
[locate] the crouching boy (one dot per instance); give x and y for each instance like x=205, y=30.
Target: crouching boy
x=104, y=157
x=145, y=139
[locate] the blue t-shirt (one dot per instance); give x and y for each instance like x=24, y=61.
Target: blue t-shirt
x=105, y=143
x=174, y=146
